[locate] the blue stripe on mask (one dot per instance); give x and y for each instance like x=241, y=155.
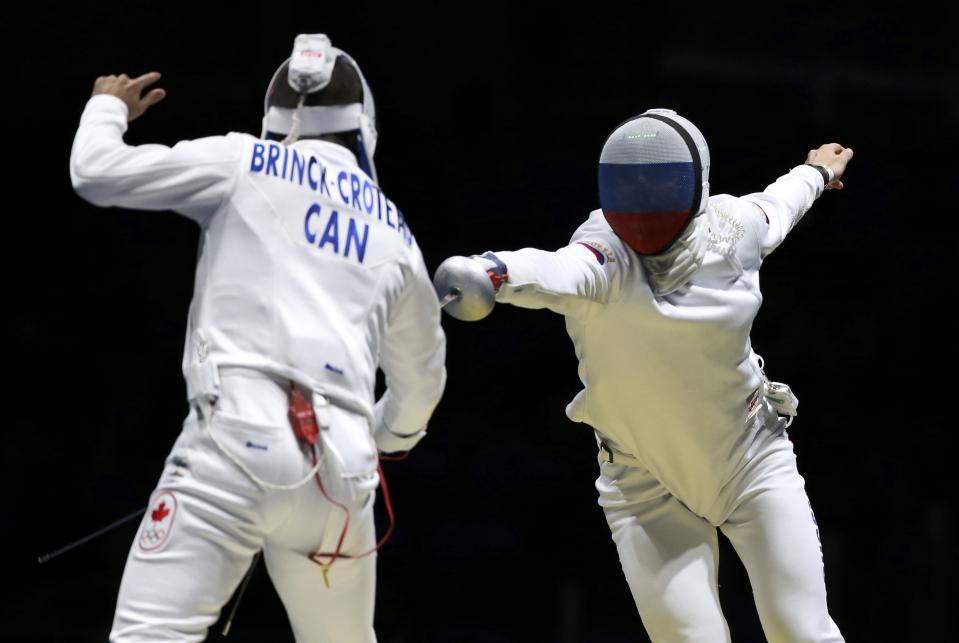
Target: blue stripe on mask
x=650, y=187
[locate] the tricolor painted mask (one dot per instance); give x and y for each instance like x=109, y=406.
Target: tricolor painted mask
x=653, y=179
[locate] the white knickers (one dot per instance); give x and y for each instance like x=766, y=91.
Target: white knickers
x=207, y=519
x=670, y=555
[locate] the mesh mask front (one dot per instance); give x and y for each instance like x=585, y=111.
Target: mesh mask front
x=653, y=179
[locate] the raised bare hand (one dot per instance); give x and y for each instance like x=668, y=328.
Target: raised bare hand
x=130, y=91
x=833, y=156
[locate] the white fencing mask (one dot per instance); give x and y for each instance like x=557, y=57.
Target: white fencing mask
x=305, y=98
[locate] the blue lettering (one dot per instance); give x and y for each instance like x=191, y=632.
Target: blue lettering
x=388, y=210
x=310, y=235
x=379, y=204
x=286, y=153
x=324, y=188
x=353, y=235
x=340, y=178
x=355, y=188
x=404, y=229
x=332, y=232
x=256, y=164
x=367, y=197
x=330, y=367
x=299, y=167
x=271, y=159
x=309, y=173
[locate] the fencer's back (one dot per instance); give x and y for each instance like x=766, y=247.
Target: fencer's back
x=299, y=269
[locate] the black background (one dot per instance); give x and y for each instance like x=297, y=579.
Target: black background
x=491, y=118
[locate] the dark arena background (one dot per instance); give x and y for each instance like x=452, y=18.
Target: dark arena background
x=492, y=117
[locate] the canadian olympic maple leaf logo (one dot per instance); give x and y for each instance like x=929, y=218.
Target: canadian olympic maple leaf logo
x=159, y=523
x=160, y=512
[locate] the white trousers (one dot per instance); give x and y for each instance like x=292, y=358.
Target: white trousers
x=670, y=555
x=207, y=519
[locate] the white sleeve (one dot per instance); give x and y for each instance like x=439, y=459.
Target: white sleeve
x=413, y=357
x=192, y=177
x=785, y=202
x=568, y=280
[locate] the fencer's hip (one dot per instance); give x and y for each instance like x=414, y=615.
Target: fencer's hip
x=249, y=421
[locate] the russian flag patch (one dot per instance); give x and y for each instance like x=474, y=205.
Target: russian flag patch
x=600, y=256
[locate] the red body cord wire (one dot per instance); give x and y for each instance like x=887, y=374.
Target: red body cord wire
x=346, y=524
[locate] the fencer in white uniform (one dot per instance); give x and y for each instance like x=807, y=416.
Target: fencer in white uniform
x=659, y=289
x=308, y=279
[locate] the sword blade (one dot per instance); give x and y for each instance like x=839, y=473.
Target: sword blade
x=77, y=543
x=454, y=294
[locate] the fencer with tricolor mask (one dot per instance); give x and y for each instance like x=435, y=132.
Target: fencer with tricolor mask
x=659, y=289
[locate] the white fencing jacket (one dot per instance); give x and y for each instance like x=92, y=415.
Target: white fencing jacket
x=306, y=269
x=670, y=381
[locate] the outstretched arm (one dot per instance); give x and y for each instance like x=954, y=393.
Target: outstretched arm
x=566, y=281
x=193, y=177
x=786, y=201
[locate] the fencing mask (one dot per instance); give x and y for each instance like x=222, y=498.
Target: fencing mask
x=654, y=180
x=321, y=90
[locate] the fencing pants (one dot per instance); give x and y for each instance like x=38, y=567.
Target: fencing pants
x=207, y=519
x=670, y=555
